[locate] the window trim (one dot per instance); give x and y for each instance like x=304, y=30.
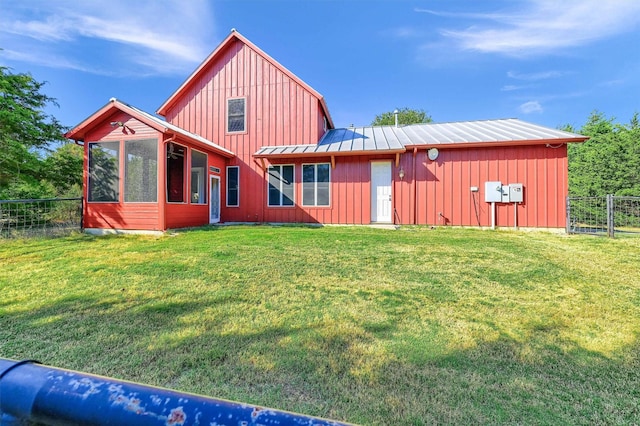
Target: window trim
x=227, y=187
x=204, y=173
x=293, y=183
x=244, y=116
x=120, y=181
x=124, y=175
x=315, y=185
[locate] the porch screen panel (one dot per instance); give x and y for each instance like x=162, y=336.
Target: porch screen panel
x=104, y=171
x=141, y=171
x=175, y=172
x=198, y=177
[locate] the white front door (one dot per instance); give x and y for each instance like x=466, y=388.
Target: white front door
x=381, y=191
x=214, y=200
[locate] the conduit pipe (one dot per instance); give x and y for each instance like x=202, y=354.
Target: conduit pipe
x=53, y=396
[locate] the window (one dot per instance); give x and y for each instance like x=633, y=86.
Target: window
x=104, y=171
x=141, y=171
x=281, y=185
x=236, y=115
x=175, y=173
x=233, y=186
x=198, y=174
x=316, y=181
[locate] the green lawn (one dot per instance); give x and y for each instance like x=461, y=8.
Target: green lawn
x=369, y=326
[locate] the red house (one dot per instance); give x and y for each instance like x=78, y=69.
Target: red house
x=245, y=140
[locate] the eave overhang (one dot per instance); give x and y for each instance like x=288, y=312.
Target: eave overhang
x=79, y=132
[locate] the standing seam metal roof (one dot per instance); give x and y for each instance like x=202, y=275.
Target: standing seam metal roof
x=396, y=139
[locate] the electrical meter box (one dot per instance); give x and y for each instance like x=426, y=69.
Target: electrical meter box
x=505, y=193
x=493, y=192
x=516, y=194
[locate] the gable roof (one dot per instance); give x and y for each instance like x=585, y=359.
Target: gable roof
x=234, y=35
x=391, y=139
x=79, y=132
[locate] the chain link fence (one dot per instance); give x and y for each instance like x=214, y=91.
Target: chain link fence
x=608, y=215
x=46, y=217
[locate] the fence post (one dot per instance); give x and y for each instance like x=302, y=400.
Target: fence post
x=610, y=217
x=568, y=225
x=82, y=214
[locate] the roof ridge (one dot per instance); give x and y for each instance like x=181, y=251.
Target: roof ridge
x=223, y=44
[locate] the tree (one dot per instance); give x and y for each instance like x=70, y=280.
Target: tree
x=609, y=162
x=405, y=116
x=25, y=130
x=63, y=168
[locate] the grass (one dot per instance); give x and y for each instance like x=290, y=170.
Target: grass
x=415, y=326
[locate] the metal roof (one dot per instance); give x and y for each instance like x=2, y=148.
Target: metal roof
x=179, y=131
x=391, y=139
x=342, y=142
x=79, y=132
x=485, y=132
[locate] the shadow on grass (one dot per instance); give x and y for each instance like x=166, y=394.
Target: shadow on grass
x=364, y=373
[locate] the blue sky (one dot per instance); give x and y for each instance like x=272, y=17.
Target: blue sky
x=545, y=61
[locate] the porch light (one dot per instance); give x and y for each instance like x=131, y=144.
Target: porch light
x=401, y=173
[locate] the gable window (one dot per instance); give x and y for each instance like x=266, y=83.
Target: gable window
x=236, y=115
x=175, y=172
x=198, y=172
x=233, y=186
x=141, y=171
x=104, y=171
x=316, y=180
x=281, y=185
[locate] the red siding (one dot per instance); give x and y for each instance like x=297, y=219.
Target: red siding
x=119, y=215
x=146, y=216
x=280, y=111
x=443, y=186
x=441, y=195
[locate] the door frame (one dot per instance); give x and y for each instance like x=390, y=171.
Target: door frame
x=374, y=193
x=213, y=194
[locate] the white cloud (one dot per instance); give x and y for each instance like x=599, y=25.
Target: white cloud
x=52, y=61
x=544, y=75
x=531, y=107
x=153, y=36
x=542, y=26
x=513, y=87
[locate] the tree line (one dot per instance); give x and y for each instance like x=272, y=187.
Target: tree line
x=29, y=166
x=608, y=163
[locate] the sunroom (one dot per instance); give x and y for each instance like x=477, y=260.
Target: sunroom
x=144, y=174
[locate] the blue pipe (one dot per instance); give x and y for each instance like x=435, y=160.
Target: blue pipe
x=51, y=396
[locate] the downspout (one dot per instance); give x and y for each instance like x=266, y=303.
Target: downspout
x=264, y=177
x=415, y=187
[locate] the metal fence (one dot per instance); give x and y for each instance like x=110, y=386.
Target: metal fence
x=47, y=217
x=34, y=394
x=608, y=215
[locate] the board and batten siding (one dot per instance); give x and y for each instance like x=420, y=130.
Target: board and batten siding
x=120, y=215
x=279, y=111
x=441, y=194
